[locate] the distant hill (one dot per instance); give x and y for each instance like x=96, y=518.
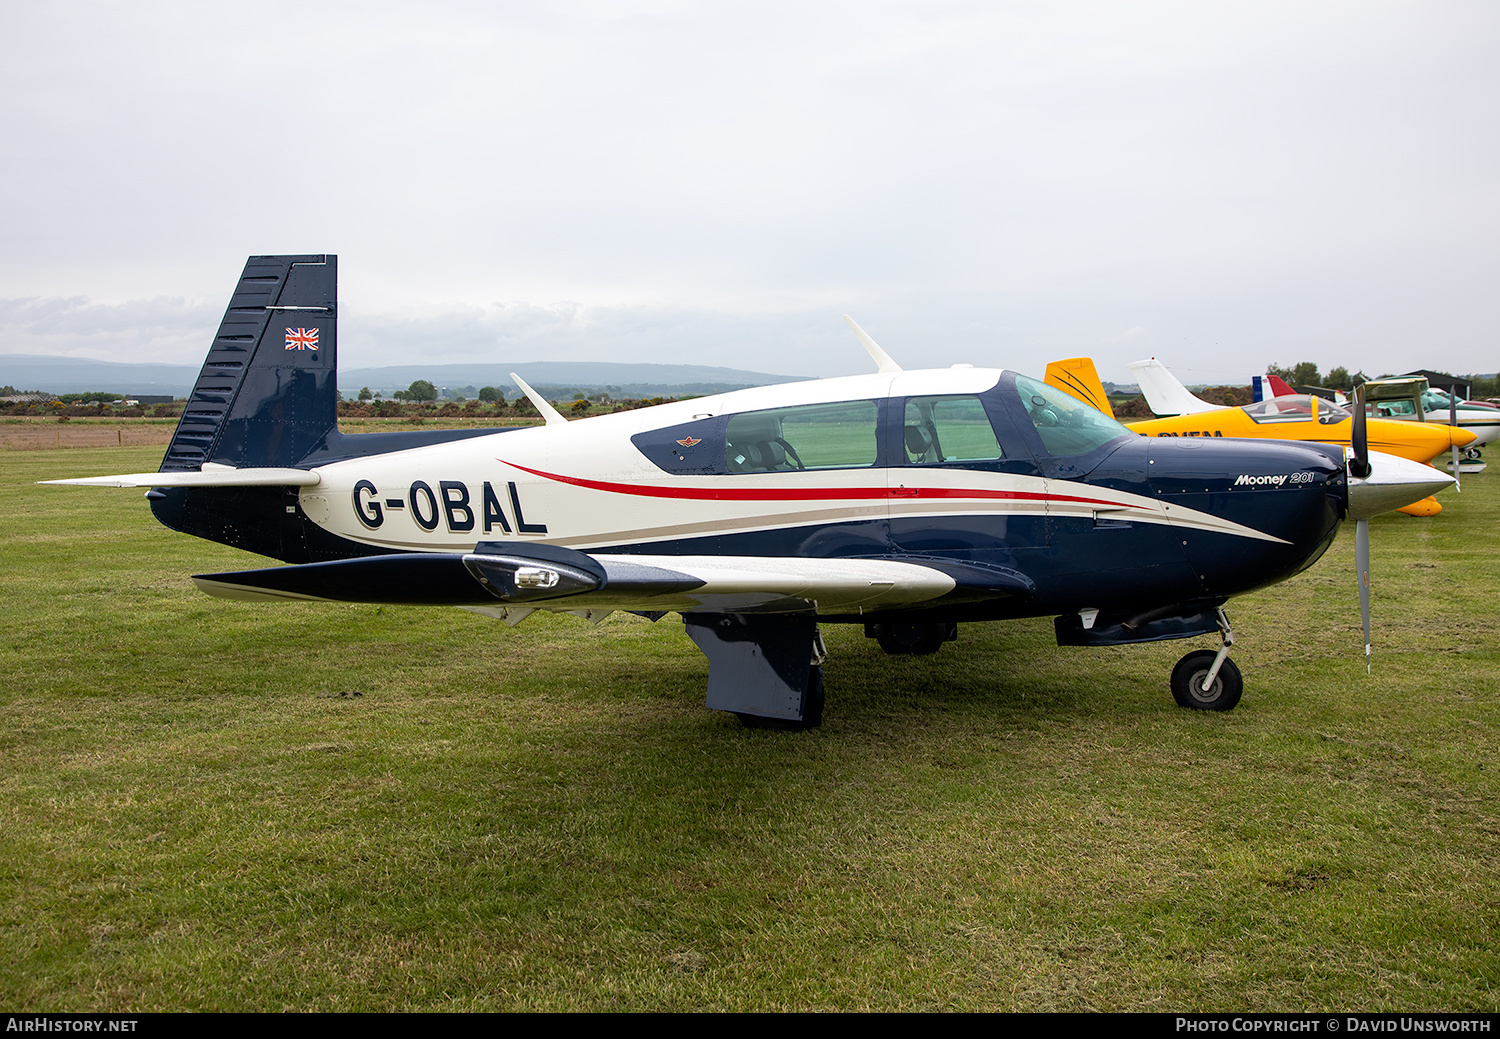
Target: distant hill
x=638, y=379
x=77, y=375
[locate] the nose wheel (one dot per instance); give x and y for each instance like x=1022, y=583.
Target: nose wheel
x=1205, y=680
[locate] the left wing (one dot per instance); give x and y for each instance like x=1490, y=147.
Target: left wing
x=507, y=576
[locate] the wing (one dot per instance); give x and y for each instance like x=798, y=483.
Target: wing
x=505, y=577
x=754, y=617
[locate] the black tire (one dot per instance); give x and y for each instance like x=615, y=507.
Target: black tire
x=1187, y=683
x=915, y=639
x=812, y=709
x=812, y=703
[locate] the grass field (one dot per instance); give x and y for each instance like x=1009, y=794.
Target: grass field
x=244, y=806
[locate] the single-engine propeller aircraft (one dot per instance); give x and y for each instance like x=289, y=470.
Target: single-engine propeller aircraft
x=1412, y=400
x=906, y=501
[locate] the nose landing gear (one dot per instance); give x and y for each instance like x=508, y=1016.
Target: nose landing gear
x=1208, y=681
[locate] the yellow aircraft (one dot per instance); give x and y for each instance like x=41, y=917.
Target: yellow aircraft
x=1299, y=417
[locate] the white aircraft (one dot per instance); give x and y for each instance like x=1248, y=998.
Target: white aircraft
x=904, y=501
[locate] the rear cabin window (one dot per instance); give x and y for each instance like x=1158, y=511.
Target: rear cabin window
x=814, y=436
x=948, y=429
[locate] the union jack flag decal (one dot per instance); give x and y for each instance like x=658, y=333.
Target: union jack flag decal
x=302, y=339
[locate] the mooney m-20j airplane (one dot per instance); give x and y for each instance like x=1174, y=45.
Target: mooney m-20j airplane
x=908, y=502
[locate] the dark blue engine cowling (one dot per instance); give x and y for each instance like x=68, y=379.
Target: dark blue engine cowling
x=1290, y=491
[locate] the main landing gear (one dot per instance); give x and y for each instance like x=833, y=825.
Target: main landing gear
x=1208, y=681
x=915, y=639
x=766, y=669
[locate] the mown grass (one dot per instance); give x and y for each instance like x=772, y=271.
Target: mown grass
x=217, y=805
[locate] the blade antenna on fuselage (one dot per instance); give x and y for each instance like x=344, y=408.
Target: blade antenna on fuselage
x=548, y=412
x=882, y=359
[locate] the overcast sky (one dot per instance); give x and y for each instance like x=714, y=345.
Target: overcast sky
x=1221, y=185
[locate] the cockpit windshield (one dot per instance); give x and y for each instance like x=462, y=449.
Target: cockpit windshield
x=1066, y=424
x=1296, y=408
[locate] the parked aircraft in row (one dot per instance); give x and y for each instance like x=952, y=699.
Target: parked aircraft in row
x=1412, y=400
x=1299, y=417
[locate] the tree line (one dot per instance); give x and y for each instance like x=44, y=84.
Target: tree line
x=1306, y=374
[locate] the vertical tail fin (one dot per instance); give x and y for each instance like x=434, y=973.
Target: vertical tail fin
x=1164, y=394
x=1079, y=377
x=1280, y=386
x=1265, y=387
x=267, y=394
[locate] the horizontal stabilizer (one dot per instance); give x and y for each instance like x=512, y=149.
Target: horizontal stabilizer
x=214, y=477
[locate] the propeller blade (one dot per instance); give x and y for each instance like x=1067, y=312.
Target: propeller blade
x=1362, y=565
x=1359, y=465
x=1453, y=422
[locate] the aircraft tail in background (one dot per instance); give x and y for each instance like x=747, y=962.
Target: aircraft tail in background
x=1164, y=394
x=1079, y=377
x=1265, y=387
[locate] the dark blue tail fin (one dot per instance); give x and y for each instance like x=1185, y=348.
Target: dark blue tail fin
x=267, y=394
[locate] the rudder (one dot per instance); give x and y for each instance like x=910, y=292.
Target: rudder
x=267, y=394
x=1078, y=377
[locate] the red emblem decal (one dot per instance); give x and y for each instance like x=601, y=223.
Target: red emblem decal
x=690, y=441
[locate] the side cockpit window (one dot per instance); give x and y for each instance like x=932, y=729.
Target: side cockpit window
x=1297, y=408
x=813, y=436
x=1282, y=409
x=779, y=440
x=948, y=429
